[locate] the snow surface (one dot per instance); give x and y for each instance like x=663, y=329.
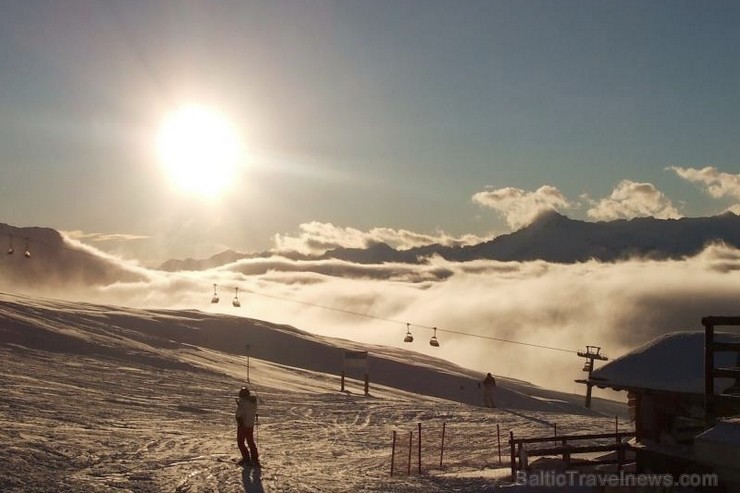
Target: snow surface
x=725, y=430
x=673, y=362
x=105, y=398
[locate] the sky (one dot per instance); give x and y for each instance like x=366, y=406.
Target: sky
x=353, y=121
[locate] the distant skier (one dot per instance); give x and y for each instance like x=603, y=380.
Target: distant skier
x=488, y=385
x=246, y=417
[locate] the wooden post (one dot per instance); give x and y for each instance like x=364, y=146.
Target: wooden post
x=513, y=455
x=498, y=437
x=638, y=418
x=419, y=449
x=411, y=446
x=708, y=373
x=620, y=450
x=442, y=447
x=248, y=348
x=393, y=452
x=355, y=359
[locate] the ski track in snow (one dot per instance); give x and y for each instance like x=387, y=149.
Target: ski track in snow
x=88, y=419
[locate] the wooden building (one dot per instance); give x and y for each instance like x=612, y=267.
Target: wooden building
x=665, y=384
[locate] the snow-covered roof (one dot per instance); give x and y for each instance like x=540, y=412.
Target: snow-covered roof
x=725, y=431
x=673, y=362
x=718, y=448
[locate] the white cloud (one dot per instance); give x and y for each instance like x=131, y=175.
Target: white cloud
x=520, y=207
x=619, y=305
x=317, y=237
x=100, y=237
x=614, y=305
x=632, y=199
x=716, y=183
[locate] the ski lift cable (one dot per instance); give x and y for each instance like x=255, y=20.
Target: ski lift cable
x=335, y=309
x=393, y=321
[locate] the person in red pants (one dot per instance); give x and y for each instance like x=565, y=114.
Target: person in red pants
x=246, y=417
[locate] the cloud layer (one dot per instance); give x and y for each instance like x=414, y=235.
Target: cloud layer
x=317, y=238
x=100, y=237
x=489, y=314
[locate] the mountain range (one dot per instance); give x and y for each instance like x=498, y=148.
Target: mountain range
x=41, y=257
x=552, y=237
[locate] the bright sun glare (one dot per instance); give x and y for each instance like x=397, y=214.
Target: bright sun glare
x=200, y=150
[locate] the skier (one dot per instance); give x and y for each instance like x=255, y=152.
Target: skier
x=488, y=385
x=246, y=417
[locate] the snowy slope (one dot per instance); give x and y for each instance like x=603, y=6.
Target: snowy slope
x=106, y=398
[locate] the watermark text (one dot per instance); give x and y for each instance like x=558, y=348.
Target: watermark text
x=574, y=478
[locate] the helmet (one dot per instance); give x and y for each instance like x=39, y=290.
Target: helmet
x=244, y=392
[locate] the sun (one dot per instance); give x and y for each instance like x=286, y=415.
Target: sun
x=199, y=149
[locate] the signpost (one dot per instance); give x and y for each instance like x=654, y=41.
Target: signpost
x=355, y=359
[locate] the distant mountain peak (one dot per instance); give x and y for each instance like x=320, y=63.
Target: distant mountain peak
x=551, y=237
x=548, y=217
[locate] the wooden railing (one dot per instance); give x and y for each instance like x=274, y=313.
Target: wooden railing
x=564, y=446
x=712, y=401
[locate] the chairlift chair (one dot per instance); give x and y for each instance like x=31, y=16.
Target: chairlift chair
x=433, y=341
x=592, y=353
x=10, y=245
x=409, y=337
x=27, y=253
x=236, y=299
x=215, y=295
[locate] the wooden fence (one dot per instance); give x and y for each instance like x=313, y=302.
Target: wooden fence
x=433, y=445
x=567, y=446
